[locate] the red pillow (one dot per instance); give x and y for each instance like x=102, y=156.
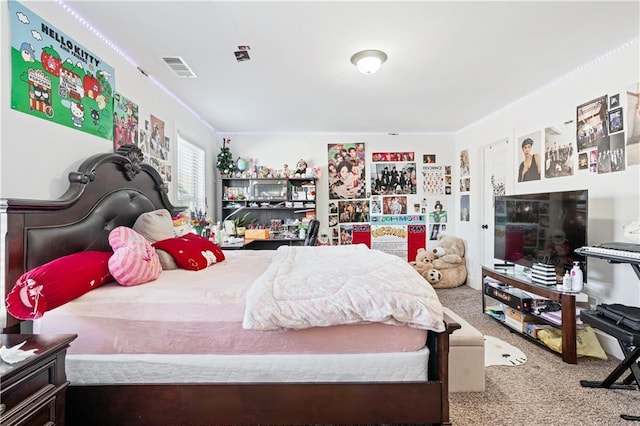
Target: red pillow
x=206, y=244
x=53, y=284
x=191, y=251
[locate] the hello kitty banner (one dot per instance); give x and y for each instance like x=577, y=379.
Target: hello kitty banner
x=56, y=78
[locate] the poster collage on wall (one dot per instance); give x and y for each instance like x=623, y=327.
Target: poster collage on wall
x=384, y=209
x=151, y=138
x=600, y=144
x=600, y=133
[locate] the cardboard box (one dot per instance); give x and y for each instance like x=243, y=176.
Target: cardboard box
x=256, y=234
x=532, y=329
x=518, y=320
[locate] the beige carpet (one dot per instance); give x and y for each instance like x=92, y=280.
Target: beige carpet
x=542, y=391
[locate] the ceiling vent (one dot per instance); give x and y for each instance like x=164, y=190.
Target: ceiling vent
x=179, y=66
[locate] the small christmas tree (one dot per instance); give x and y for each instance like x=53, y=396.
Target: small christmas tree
x=225, y=160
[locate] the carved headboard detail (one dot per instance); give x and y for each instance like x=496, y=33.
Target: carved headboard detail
x=107, y=190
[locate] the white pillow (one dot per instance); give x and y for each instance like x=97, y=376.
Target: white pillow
x=156, y=226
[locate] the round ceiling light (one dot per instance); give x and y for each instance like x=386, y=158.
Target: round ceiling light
x=368, y=61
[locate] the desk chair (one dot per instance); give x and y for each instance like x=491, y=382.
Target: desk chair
x=312, y=233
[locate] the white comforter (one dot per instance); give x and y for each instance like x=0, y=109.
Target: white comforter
x=328, y=285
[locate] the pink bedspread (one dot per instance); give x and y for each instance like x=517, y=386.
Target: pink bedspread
x=198, y=312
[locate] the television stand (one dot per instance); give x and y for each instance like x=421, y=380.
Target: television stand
x=567, y=302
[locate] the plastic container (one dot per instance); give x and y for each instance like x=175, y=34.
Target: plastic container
x=567, y=281
x=576, y=278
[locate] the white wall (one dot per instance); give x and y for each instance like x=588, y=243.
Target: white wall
x=36, y=156
x=273, y=150
x=614, y=198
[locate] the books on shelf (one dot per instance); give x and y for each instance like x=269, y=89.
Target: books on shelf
x=495, y=311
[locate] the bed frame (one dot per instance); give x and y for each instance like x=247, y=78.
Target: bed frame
x=110, y=190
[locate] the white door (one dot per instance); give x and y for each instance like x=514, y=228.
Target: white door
x=497, y=179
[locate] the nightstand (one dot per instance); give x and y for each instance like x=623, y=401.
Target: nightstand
x=32, y=392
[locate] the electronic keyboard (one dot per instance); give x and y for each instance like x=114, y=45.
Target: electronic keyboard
x=619, y=252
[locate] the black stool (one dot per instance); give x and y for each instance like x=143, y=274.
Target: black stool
x=629, y=341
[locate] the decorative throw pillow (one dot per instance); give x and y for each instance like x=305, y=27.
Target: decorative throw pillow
x=134, y=261
x=55, y=283
x=207, y=245
x=155, y=226
x=192, y=251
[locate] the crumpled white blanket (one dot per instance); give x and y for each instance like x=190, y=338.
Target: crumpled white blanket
x=329, y=285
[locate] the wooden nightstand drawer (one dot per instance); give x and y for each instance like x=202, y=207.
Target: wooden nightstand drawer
x=32, y=392
x=27, y=387
x=38, y=412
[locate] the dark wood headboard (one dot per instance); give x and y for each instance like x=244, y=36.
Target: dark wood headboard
x=107, y=191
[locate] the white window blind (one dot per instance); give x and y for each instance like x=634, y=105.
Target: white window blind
x=191, y=175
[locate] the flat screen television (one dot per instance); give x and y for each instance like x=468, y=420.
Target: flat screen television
x=543, y=226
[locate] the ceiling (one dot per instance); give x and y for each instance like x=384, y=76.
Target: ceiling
x=450, y=63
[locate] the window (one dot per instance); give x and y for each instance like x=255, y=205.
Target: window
x=191, y=175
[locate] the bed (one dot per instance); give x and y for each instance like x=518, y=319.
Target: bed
x=111, y=190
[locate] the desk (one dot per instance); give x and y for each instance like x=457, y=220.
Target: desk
x=266, y=244
x=232, y=246
x=272, y=243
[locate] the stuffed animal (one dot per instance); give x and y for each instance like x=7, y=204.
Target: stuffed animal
x=301, y=168
x=422, y=264
x=449, y=265
x=182, y=224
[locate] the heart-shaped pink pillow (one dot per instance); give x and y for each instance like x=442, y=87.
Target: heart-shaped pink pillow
x=134, y=261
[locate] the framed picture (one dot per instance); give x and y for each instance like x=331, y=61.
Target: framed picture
x=591, y=123
x=614, y=101
x=615, y=120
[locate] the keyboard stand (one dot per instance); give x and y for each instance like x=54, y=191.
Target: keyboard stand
x=629, y=341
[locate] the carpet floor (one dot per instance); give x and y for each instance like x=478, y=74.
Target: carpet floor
x=542, y=391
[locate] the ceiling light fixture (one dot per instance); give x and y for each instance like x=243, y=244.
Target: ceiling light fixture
x=368, y=61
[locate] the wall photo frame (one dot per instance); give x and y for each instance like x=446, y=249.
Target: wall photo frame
x=591, y=123
x=615, y=120
x=614, y=101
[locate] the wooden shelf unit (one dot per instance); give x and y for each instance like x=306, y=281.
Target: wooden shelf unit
x=567, y=302
x=267, y=199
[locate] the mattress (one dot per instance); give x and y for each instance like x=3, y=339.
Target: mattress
x=201, y=312
x=186, y=327
x=159, y=368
